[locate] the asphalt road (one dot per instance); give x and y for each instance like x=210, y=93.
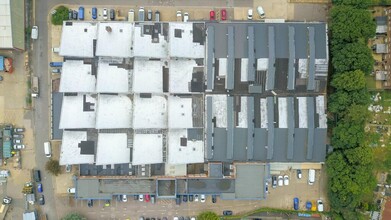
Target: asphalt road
x=40, y=68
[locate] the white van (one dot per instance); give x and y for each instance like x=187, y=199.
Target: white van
x=261, y=12
x=34, y=33
x=311, y=177
x=48, y=149
x=131, y=15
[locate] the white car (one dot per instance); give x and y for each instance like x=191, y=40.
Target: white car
x=175, y=218
x=105, y=14
x=141, y=198
x=124, y=198
x=196, y=198
x=202, y=198
x=185, y=17
x=286, y=180
x=250, y=14
x=320, y=205
x=261, y=12
x=19, y=146
x=280, y=181
x=34, y=33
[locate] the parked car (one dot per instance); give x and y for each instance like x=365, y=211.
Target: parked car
x=68, y=168
x=58, y=71
x=214, y=199
x=1, y=78
x=212, y=15
x=94, y=12
x=112, y=14
x=42, y=200
x=296, y=203
x=223, y=14
x=153, y=199
x=7, y=200
x=34, y=33
x=202, y=198
x=299, y=174
x=227, y=212
x=19, y=146
x=308, y=205
x=71, y=190
x=90, y=203
x=18, y=130
x=178, y=200
x=81, y=13
x=178, y=16
x=135, y=197
x=141, y=197
x=17, y=141
x=141, y=14
x=274, y=181
x=107, y=203
x=280, y=181
x=185, y=17
x=37, y=175
x=149, y=15
x=104, y=14
x=74, y=16
x=320, y=205
x=250, y=14
x=261, y=12
x=70, y=14
x=184, y=197
x=196, y=198
x=157, y=16
x=286, y=180
x=124, y=198
x=39, y=187
x=191, y=198
x=313, y=206
x=267, y=187
x=147, y=198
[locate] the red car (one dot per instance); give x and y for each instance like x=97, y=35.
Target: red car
x=147, y=198
x=223, y=14
x=212, y=15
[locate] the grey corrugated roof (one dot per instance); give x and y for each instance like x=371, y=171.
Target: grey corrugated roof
x=270, y=127
x=209, y=127
x=291, y=127
x=271, y=72
x=230, y=77
x=311, y=126
x=220, y=145
x=240, y=144
x=291, y=64
x=250, y=130
x=311, y=64
x=56, y=114
x=230, y=127
x=216, y=170
x=210, y=58
x=381, y=20
x=251, y=57
x=250, y=181
x=260, y=142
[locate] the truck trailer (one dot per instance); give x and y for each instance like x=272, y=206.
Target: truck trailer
x=34, y=87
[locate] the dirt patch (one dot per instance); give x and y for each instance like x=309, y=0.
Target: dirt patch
x=387, y=210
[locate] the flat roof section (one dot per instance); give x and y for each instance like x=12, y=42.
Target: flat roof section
x=311, y=55
x=210, y=186
x=114, y=39
x=311, y=126
x=56, y=114
x=209, y=127
x=70, y=150
x=180, y=112
x=182, y=45
x=210, y=70
x=270, y=127
x=182, y=150
x=320, y=110
x=77, y=39
x=78, y=112
x=230, y=127
x=150, y=112
x=292, y=59
x=112, y=149
x=302, y=111
x=241, y=118
x=250, y=130
x=112, y=79
x=271, y=72
x=77, y=77
x=114, y=111
x=147, y=149
x=5, y=24
x=147, y=76
x=219, y=110
x=230, y=78
x=180, y=75
x=251, y=54
x=145, y=45
x=89, y=189
x=249, y=182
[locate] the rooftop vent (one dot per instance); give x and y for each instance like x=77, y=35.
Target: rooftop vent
x=108, y=29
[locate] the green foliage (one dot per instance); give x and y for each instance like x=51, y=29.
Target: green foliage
x=353, y=56
x=357, y=114
x=382, y=161
x=350, y=24
x=341, y=100
x=60, y=15
x=53, y=167
x=347, y=135
x=208, y=215
x=73, y=216
x=349, y=81
x=355, y=3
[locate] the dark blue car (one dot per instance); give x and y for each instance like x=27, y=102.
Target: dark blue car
x=94, y=13
x=39, y=187
x=296, y=203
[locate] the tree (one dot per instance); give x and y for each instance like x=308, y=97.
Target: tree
x=349, y=81
x=350, y=24
x=53, y=167
x=60, y=15
x=353, y=56
x=208, y=215
x=347, y=135
x=341, y=100
x=73, y=216
x=354, y=3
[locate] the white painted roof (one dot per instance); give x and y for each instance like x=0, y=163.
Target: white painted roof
x=177, y=154
x=149, y=112
x=70, y=151
x=112, y=149
x=77, y=77
x=5, y=24
x=144, y=46
x=180, y=112
x=263, y=108
x=180, y=75
x=114, y=39
x=147, y=76
x=222, y=67
x=302, y=110
x=320, y=110
x=147, y=149
x=219, y=110
x=244, y=70
x=242, y=115
x=184, y=47
x=113, y=111
x=77, y=39
x=282, y=112
x=73, y=114
x=112, y=79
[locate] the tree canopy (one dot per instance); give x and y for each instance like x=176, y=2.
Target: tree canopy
x=353, y=56
x=53, y=167
x=355, y=3
x=208, y=215
x=60, y=15
x=350, y=24
x=73, y=216
x=352, y=80
x=341, y=100
x=347, y=135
